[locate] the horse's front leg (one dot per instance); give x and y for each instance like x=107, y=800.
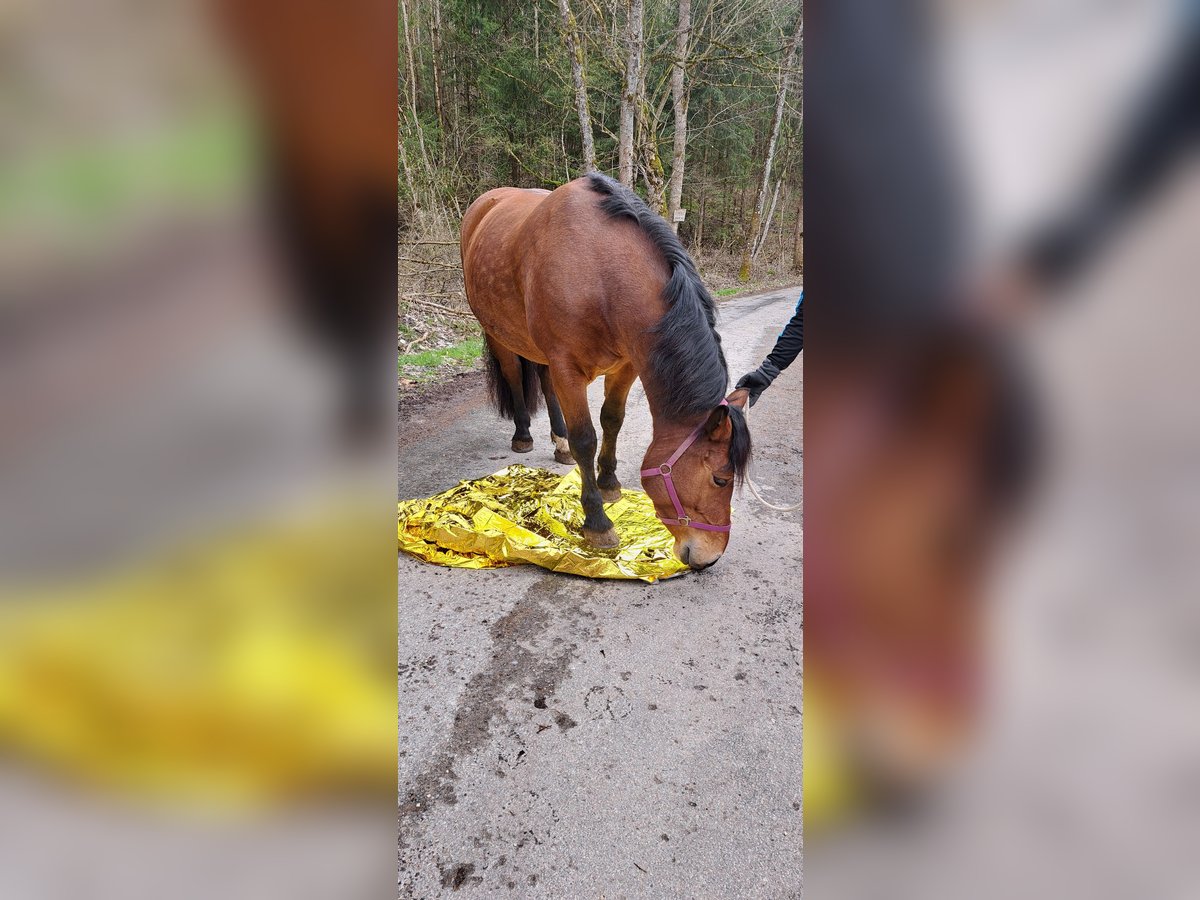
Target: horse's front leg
x=571, y=389
x=612, y=416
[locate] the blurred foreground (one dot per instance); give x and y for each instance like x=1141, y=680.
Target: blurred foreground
x=197, y=607
x=1001, y=449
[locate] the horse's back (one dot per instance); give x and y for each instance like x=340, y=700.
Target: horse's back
x=586, y=244
x=497, y=212
x=548, y=270
x=592, y=282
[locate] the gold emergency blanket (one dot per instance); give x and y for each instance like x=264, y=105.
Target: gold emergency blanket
x=526, y=515
x=247, y=669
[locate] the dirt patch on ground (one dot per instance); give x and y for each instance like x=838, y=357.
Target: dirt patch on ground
x=524, y=658
x=423, y=409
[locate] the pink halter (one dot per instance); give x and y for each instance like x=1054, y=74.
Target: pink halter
x=665, y=471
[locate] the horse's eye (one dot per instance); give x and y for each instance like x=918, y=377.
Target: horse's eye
x=720, y=482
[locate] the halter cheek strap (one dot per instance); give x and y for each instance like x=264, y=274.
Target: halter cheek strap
x=665, y=471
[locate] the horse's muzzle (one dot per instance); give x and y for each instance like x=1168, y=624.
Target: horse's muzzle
x=695, y=555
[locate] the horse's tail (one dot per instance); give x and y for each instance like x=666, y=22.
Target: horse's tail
x=501, y=391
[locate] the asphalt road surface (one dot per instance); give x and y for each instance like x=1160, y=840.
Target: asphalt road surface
x=563, y=737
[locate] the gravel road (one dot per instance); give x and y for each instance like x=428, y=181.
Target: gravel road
x=561, y=737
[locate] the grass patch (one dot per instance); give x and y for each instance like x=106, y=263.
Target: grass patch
x=86, y=184
x=727, y=292
x=460, y=356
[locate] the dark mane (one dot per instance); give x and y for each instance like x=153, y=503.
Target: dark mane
x=687, y=362
x=739, y=445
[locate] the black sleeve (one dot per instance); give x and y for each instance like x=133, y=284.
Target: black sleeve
x=789, y=344
x=1163, y=127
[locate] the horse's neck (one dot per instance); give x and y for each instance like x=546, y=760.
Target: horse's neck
x=663, y=425
x=684, y=376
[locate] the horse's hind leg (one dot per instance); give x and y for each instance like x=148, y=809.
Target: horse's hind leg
x=510, y=369
x=558, y=426
x=612, y=416
x=581, y=434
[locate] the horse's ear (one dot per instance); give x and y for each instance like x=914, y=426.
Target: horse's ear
x=718, y=426
x=738, y=398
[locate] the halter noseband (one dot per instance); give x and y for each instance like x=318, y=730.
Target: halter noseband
x=665, y=471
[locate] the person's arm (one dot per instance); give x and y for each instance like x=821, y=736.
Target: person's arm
x=1166, y=124
x=787, y=348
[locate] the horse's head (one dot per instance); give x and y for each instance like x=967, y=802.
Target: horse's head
x=702, y=478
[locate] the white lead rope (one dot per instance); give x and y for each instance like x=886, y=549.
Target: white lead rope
x=754, y=487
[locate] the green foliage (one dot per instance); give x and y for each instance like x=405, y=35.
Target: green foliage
x=465, y=354
x=509, y=104
x=203, y=159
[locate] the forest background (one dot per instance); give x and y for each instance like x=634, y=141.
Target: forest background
x=694, y=103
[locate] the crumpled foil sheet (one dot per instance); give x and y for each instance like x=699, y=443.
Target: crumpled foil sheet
x=526, y=515
x=242, y=670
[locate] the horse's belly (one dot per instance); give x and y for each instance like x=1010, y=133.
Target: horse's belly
x=515, y=339
x=501, y=311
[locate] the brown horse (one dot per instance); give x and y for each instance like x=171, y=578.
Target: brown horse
x=586, y=281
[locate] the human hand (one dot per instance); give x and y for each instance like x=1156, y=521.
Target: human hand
x=755, y=383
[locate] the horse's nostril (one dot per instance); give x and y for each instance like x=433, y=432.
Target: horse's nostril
x=686, y=554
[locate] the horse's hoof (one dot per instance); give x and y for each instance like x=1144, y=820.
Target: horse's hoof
x=611, y=495
x=601, y=540
x=562, y=450
x=522, y=446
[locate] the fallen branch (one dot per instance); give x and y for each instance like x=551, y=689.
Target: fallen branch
x=439, y=307
x=427, y=294
x=407, y=348
x=429, y=262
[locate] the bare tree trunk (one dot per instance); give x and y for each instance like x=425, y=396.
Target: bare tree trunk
x=410, y=87
x=575, y=48
x=785, y=77
x=408, y=178
x=779, y=233
x=651, y=164
x=537, y=27
x=436, y=40
x=629, y=96
x=679, y=105
x=766, y=228
x=412, y=96
x=652, y=169
x=726, y=204
x=798, y=253
x=699, y=242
